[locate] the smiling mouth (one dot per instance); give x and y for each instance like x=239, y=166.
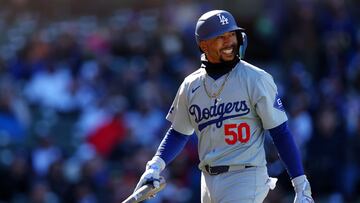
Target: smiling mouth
x=228, y=51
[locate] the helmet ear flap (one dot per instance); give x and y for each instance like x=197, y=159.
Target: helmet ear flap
x=242, y=40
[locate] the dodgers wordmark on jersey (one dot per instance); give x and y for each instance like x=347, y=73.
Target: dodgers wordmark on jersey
x=229, y=115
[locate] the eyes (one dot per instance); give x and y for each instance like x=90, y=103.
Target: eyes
x=226, y=35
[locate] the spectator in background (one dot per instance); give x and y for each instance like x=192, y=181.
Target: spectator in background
x=50, y=88
x=44, y=155
x=16, y=179
x=107, y=136
x=351, y=174
x=40, y=192
x=326, y=153
x=56, y=179
x=146, y=113
x=14, y=114
x=300, y=93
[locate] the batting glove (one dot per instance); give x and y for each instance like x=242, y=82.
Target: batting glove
x=152, y=173
x=302, y=190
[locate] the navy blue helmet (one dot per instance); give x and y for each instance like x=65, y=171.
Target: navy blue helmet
x=214, y=23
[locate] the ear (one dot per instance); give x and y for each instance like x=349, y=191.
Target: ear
x=203, y=46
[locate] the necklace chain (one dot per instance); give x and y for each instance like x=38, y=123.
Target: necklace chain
x=215, y=95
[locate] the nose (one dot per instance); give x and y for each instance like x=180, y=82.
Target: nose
x=229, y=38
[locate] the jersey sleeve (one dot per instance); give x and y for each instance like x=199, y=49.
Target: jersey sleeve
x=178, y=114
x=268, y=104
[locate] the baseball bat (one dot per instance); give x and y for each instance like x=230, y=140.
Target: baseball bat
x=145, y=192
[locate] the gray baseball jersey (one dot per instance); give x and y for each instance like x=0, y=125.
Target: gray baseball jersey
x=229, y=115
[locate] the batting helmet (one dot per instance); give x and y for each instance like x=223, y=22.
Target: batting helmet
x=214, y=23
x=217, y=22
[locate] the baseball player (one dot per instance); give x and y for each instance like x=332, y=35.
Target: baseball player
x=229, y=104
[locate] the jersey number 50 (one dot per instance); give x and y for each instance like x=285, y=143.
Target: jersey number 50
x=237, y=133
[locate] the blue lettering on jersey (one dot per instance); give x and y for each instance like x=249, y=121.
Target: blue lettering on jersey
x=278, y=103
x=220, y=110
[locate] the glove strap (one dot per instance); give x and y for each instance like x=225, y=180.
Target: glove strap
x=156, y=163
x=300, y=183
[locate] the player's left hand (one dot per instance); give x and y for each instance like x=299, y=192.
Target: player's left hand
x=152, y=173
x=302, y=190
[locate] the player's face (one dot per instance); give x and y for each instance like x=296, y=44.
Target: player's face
x=221, y=48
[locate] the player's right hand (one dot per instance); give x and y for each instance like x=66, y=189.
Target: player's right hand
x=302, y=190
x=152, y=173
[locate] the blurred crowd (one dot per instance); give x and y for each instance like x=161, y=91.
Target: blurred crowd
x=83, y=100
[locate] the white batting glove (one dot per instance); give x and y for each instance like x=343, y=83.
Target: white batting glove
x=152, y=173
x=302, y=190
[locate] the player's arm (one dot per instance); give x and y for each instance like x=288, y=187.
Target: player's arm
x=287, y=149
x=290, y=156
x=173, y=141
x=169, y=148
x=269, y=107
x=171, y=145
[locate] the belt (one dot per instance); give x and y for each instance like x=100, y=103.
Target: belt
x=216, y=170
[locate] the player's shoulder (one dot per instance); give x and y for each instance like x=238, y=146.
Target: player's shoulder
x=194, y=76
x=251, y=71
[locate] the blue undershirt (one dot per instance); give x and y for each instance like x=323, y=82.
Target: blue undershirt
x=174, y=142
x=287, y=149
x=171, y=145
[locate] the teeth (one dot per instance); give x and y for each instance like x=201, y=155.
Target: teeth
x=228, y=51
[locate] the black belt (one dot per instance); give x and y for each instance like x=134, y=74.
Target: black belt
x=216, y=170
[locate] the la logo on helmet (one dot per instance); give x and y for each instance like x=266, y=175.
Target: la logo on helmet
x=223, y=19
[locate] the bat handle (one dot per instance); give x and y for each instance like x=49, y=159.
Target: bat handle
x=138, y=196
x=145, y=192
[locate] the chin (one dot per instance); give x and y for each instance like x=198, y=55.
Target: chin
x=228, y=58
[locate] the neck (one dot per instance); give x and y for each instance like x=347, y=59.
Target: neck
x=216, y=70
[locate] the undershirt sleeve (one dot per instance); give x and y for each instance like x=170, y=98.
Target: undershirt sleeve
x=171, y=145
x=288, y=151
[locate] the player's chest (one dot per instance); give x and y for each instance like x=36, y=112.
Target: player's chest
x=225, y=91
x=218, y=101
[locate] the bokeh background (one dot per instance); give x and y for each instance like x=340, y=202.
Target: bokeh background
x=85, y=87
